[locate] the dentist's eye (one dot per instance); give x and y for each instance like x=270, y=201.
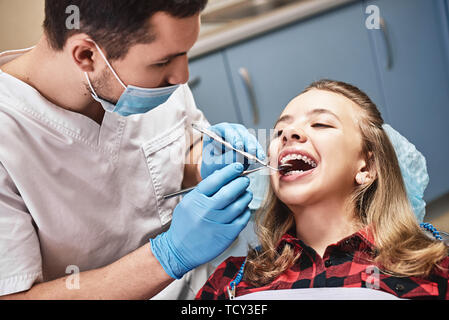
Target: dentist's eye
x=163, y=64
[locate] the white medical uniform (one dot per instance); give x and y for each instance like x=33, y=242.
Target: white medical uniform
x=74, y=194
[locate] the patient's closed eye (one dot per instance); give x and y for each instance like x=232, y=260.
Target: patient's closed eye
x=321, y=125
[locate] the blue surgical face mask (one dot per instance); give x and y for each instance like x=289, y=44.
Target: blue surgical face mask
x=134, y=100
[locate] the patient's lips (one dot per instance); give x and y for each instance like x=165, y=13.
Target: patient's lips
x=302, y=163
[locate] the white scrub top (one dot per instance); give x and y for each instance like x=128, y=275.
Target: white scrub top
x=74, y=194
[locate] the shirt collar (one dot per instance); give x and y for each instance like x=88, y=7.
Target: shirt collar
x=360, y=240
x=29, y=100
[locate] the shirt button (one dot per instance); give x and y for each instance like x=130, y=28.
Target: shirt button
x=399, y=287
x=328, y=263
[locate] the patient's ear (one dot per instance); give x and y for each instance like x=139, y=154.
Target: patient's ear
x=366, y=173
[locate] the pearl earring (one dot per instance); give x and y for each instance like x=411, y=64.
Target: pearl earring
x=361, y=178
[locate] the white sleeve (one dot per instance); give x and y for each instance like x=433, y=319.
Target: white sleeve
x=20, y=256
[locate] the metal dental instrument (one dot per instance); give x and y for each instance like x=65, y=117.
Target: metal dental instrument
x=183, y=192
x=228, y=145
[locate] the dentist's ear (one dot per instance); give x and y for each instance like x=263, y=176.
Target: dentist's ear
x=82, y=51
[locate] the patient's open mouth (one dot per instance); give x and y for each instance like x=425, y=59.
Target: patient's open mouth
x=299, y=162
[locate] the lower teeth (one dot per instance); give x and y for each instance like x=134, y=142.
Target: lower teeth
x=293, y=172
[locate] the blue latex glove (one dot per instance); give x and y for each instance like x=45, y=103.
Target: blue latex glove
x=205, y=222
x=216, y=156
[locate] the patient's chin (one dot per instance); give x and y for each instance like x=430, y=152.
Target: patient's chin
x=295, y=196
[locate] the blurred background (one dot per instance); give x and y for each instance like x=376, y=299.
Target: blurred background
x=20, y=23
x=253, y=56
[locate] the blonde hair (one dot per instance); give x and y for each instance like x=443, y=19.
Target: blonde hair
x=402, y=248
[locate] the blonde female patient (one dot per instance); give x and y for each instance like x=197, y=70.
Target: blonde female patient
x=340, y=216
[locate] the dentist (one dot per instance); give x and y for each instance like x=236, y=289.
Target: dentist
x=96, y=129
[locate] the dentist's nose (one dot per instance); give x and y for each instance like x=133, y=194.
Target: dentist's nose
x=293, y=135
x=179, y=74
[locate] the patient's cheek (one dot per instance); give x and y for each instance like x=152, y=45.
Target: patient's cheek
x=272, y=154
x=274, y=184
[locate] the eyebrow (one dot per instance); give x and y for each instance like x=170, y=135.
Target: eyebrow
x=286, y=118
x=171, y=56
x=325, y=111
x=289, y=118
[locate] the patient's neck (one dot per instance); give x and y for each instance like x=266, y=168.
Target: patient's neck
x=324, y=223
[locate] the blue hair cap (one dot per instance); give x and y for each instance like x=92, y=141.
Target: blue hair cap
x=413, y=168
x=411, y=161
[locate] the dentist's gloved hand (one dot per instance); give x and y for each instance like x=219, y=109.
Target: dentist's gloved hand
x=216, y=156
x=205, y=223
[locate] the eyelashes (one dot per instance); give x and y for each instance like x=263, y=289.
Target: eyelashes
x=279, y=133
x=163, y=64
x=321, y=125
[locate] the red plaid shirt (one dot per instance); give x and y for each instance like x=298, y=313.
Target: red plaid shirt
x=347, y=263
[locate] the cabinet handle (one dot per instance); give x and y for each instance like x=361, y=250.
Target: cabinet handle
x=194, y=82
x=388, y=48
x=244, y=74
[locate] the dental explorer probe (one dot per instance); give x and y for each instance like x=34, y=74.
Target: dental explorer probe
x=228, y=145
x=247, y=155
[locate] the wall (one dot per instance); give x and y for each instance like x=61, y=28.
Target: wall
x=20, y=23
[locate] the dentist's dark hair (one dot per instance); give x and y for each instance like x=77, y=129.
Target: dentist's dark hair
x=115, y=25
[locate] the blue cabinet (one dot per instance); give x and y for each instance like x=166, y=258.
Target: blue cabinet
x=281, y=64
x=211, y=88
x=414, y=71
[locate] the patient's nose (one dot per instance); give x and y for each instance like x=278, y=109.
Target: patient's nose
x=294, y=134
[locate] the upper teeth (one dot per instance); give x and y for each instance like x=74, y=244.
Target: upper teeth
x=293, y=156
